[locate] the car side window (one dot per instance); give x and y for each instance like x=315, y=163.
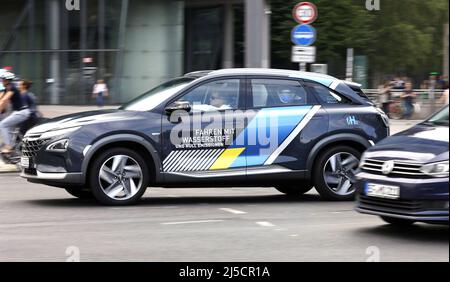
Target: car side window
x=277, y=93
x=326, y=95
x=213, y=96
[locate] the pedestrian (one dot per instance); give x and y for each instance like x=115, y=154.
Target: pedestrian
x=21, y=112
x=408, y=97
x=100, y=92
x=385, y=96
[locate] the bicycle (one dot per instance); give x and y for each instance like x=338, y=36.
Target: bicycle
x=17, y=134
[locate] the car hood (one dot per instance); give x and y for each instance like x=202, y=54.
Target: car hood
x=83, y=119
x=421, y=143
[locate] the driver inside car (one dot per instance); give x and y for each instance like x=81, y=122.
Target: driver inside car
x=218, y=100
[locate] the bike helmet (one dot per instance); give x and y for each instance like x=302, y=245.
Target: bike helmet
x=7, y=75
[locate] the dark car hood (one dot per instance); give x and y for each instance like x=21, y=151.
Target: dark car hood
x=421, y=143
x=82, y=119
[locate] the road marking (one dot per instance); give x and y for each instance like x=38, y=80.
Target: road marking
x=191, y=222
x=294, y=235
x=265, y=224
x=232, y=211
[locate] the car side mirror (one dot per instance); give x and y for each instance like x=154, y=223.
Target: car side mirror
x=178, y=106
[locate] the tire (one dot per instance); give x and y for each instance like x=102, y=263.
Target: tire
x=80, y=193
x=294, y=191
x=119, y=177
x=397, y=221
x=334, y=171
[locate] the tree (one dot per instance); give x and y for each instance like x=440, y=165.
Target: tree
x=404, y=37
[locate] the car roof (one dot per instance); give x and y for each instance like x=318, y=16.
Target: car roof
x=321, y=78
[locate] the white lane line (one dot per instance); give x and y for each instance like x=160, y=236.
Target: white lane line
x=293, y=235
x=265, y=224
x=232, y=211
x=191, y=222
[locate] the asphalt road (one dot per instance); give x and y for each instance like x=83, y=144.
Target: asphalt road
x=39, y=223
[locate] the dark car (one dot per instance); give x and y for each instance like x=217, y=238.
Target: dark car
x=240, y=127
x=404, y=178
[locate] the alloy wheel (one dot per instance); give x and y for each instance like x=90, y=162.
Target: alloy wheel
x=339, y=173
x=120, y=177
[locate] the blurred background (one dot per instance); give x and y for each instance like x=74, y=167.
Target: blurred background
x=136, y=44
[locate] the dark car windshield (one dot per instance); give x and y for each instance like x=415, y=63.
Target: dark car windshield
x=441, y=118
x=154, y=97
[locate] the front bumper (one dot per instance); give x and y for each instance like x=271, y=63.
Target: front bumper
x=422, y=200
x=62, y=180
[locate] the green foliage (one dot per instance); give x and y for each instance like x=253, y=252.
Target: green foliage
x=405, y=36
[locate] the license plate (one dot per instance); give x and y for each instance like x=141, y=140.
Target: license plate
x=25, y=162
x=382, y=191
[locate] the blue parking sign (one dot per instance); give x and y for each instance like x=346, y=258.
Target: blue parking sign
x=303, y=35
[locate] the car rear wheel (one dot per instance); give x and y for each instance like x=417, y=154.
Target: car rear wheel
x=80, y=193
x=119, y=176
x=397, y=221
x=293, y=190
x=334, y=173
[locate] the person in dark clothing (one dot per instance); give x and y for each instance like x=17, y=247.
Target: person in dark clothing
x=21, y=112
x=408, y=97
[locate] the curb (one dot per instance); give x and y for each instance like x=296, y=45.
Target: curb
x=5, y=168
x=8, y=168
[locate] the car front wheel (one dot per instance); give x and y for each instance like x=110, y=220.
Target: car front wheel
x=334, y=173
x=119, y=176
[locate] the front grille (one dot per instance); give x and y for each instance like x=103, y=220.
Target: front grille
x=31, y=147
x=399, y=206
x=400, y=168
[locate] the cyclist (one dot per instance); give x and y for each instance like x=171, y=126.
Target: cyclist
x=20, y=109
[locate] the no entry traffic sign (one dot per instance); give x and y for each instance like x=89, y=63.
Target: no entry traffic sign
x=305, y=13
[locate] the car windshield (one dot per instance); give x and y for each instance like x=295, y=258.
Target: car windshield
x=154, y=97
x=441, y=118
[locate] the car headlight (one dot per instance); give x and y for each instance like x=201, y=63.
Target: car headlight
x=439, y=169
x=55, y=133
x=58, y=146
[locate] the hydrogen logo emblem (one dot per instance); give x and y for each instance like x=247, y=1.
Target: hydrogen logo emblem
x=351, y=120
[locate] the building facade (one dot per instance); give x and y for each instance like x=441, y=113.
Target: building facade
x=64, y=46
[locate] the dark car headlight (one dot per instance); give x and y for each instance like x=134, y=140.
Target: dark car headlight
x=439, y=169
x=58, y=146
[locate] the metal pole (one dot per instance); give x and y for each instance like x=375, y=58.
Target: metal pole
x=54, y=23
x=83, y=46
x=228, y=61
x=446, y=51
x=349, y=72
x=101, y=37
x=31, y=39
x=256, y=34
x=302, y=66
x=119, y=59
